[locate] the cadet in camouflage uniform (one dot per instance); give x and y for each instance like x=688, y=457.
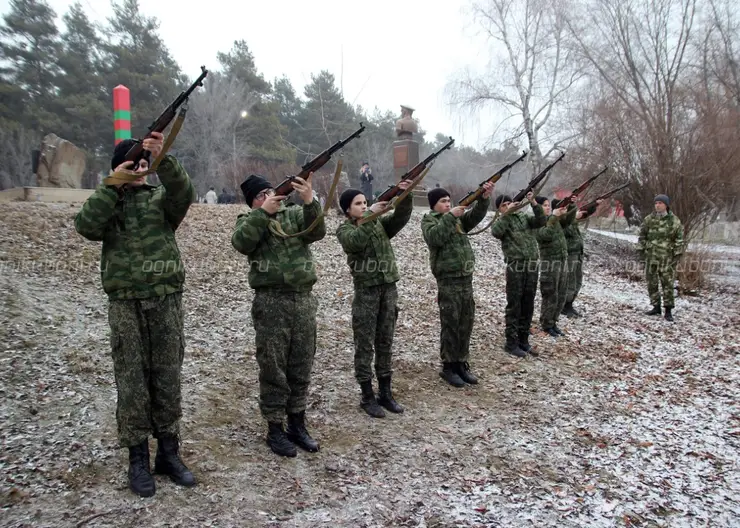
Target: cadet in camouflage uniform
x=452, y=261
x=574, y=239
x=660, y=245
x=553, y=262
x=282, y=274
x=143, y=275
x=374, y=308
x=516, y=233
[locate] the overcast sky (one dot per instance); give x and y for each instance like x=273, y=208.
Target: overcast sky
x=385, y=52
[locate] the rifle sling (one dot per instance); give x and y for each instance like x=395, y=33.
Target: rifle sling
x=398, y=199
x=126, y=176
x=277, y=230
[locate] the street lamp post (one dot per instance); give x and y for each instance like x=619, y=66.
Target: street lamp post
x=244, y=114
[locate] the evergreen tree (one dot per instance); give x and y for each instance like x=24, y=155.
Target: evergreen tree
x=82, y=98
x=137, y=58
x=30, y=48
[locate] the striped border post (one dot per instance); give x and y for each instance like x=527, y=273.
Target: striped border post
x=121, y=113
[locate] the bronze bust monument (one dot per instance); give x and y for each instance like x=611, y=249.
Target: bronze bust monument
x=406, y=127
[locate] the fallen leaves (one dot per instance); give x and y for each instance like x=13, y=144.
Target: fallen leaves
x=626, y=420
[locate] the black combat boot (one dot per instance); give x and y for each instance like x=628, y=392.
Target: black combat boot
x=297, y=433
x=654, y=311
x=551, y=332
x=558, y=330
x=512, y=347
x=569, y=311
x=668, y=314
x=368, y=402
x=526, y=347
x=385, y=395
x=278, y=442
x=463, y=370
x=140, y=478
x=168, y=461
x=450, y=375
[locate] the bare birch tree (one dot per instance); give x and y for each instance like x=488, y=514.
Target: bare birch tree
x=649, y=119
x=532, y=69
x=209, y=141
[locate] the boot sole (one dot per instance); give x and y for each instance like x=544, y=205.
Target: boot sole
x=173, y=479
x=453, y=384
x=380, y=414
x=389, y=409
x=305, y=447
x=289, y=455
x=148, y=494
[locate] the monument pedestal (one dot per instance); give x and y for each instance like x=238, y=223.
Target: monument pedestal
x=405, y=156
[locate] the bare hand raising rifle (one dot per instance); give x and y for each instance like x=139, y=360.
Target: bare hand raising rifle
x=304, y=188
x=272, y=204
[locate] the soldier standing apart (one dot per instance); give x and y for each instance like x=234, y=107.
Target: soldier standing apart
x=452, y=261
x=660, y=245
x=372, y=264
x=574, y=240
x=518, y=243
x=143, y=276
x=553, y=258
x=282, y=274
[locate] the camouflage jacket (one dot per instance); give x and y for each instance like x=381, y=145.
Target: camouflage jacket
x=661, y=237
x=551, y=238
x=574, y=239
x=140, y=258
x=573, y=235
x=517, y=234
x=450, y=253
x=368, y=247
x=278, y=263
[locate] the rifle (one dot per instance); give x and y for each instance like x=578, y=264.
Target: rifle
x=393, y=190
x=592, y=203
x=472, y=196
x=583, y=187
x=285, y=187
x=165, y=118
x=521, y=195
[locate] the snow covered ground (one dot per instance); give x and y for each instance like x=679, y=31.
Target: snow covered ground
x=628, y=420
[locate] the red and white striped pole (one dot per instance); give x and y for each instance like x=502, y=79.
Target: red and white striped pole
x=121, y=113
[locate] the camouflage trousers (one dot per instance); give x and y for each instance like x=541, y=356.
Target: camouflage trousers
x=374, y=316
x=148, y=347
x=660, y=273
x=553, y=285
x=575, y=276
x=285, y=338
x=457, y=315
x=521, y=289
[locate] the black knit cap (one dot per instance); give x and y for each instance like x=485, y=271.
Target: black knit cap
x=436, y=195
x=345, y=200
x=540, y=199
x=252, y=186
x=501, y=199
x=120, y=151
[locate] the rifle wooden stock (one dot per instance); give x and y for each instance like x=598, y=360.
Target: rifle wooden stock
x=472, y=196
x=584, y=186
x=135, y=153
x=521, y=195
x=394, y=190
x=285, y=187
x=592, y=203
